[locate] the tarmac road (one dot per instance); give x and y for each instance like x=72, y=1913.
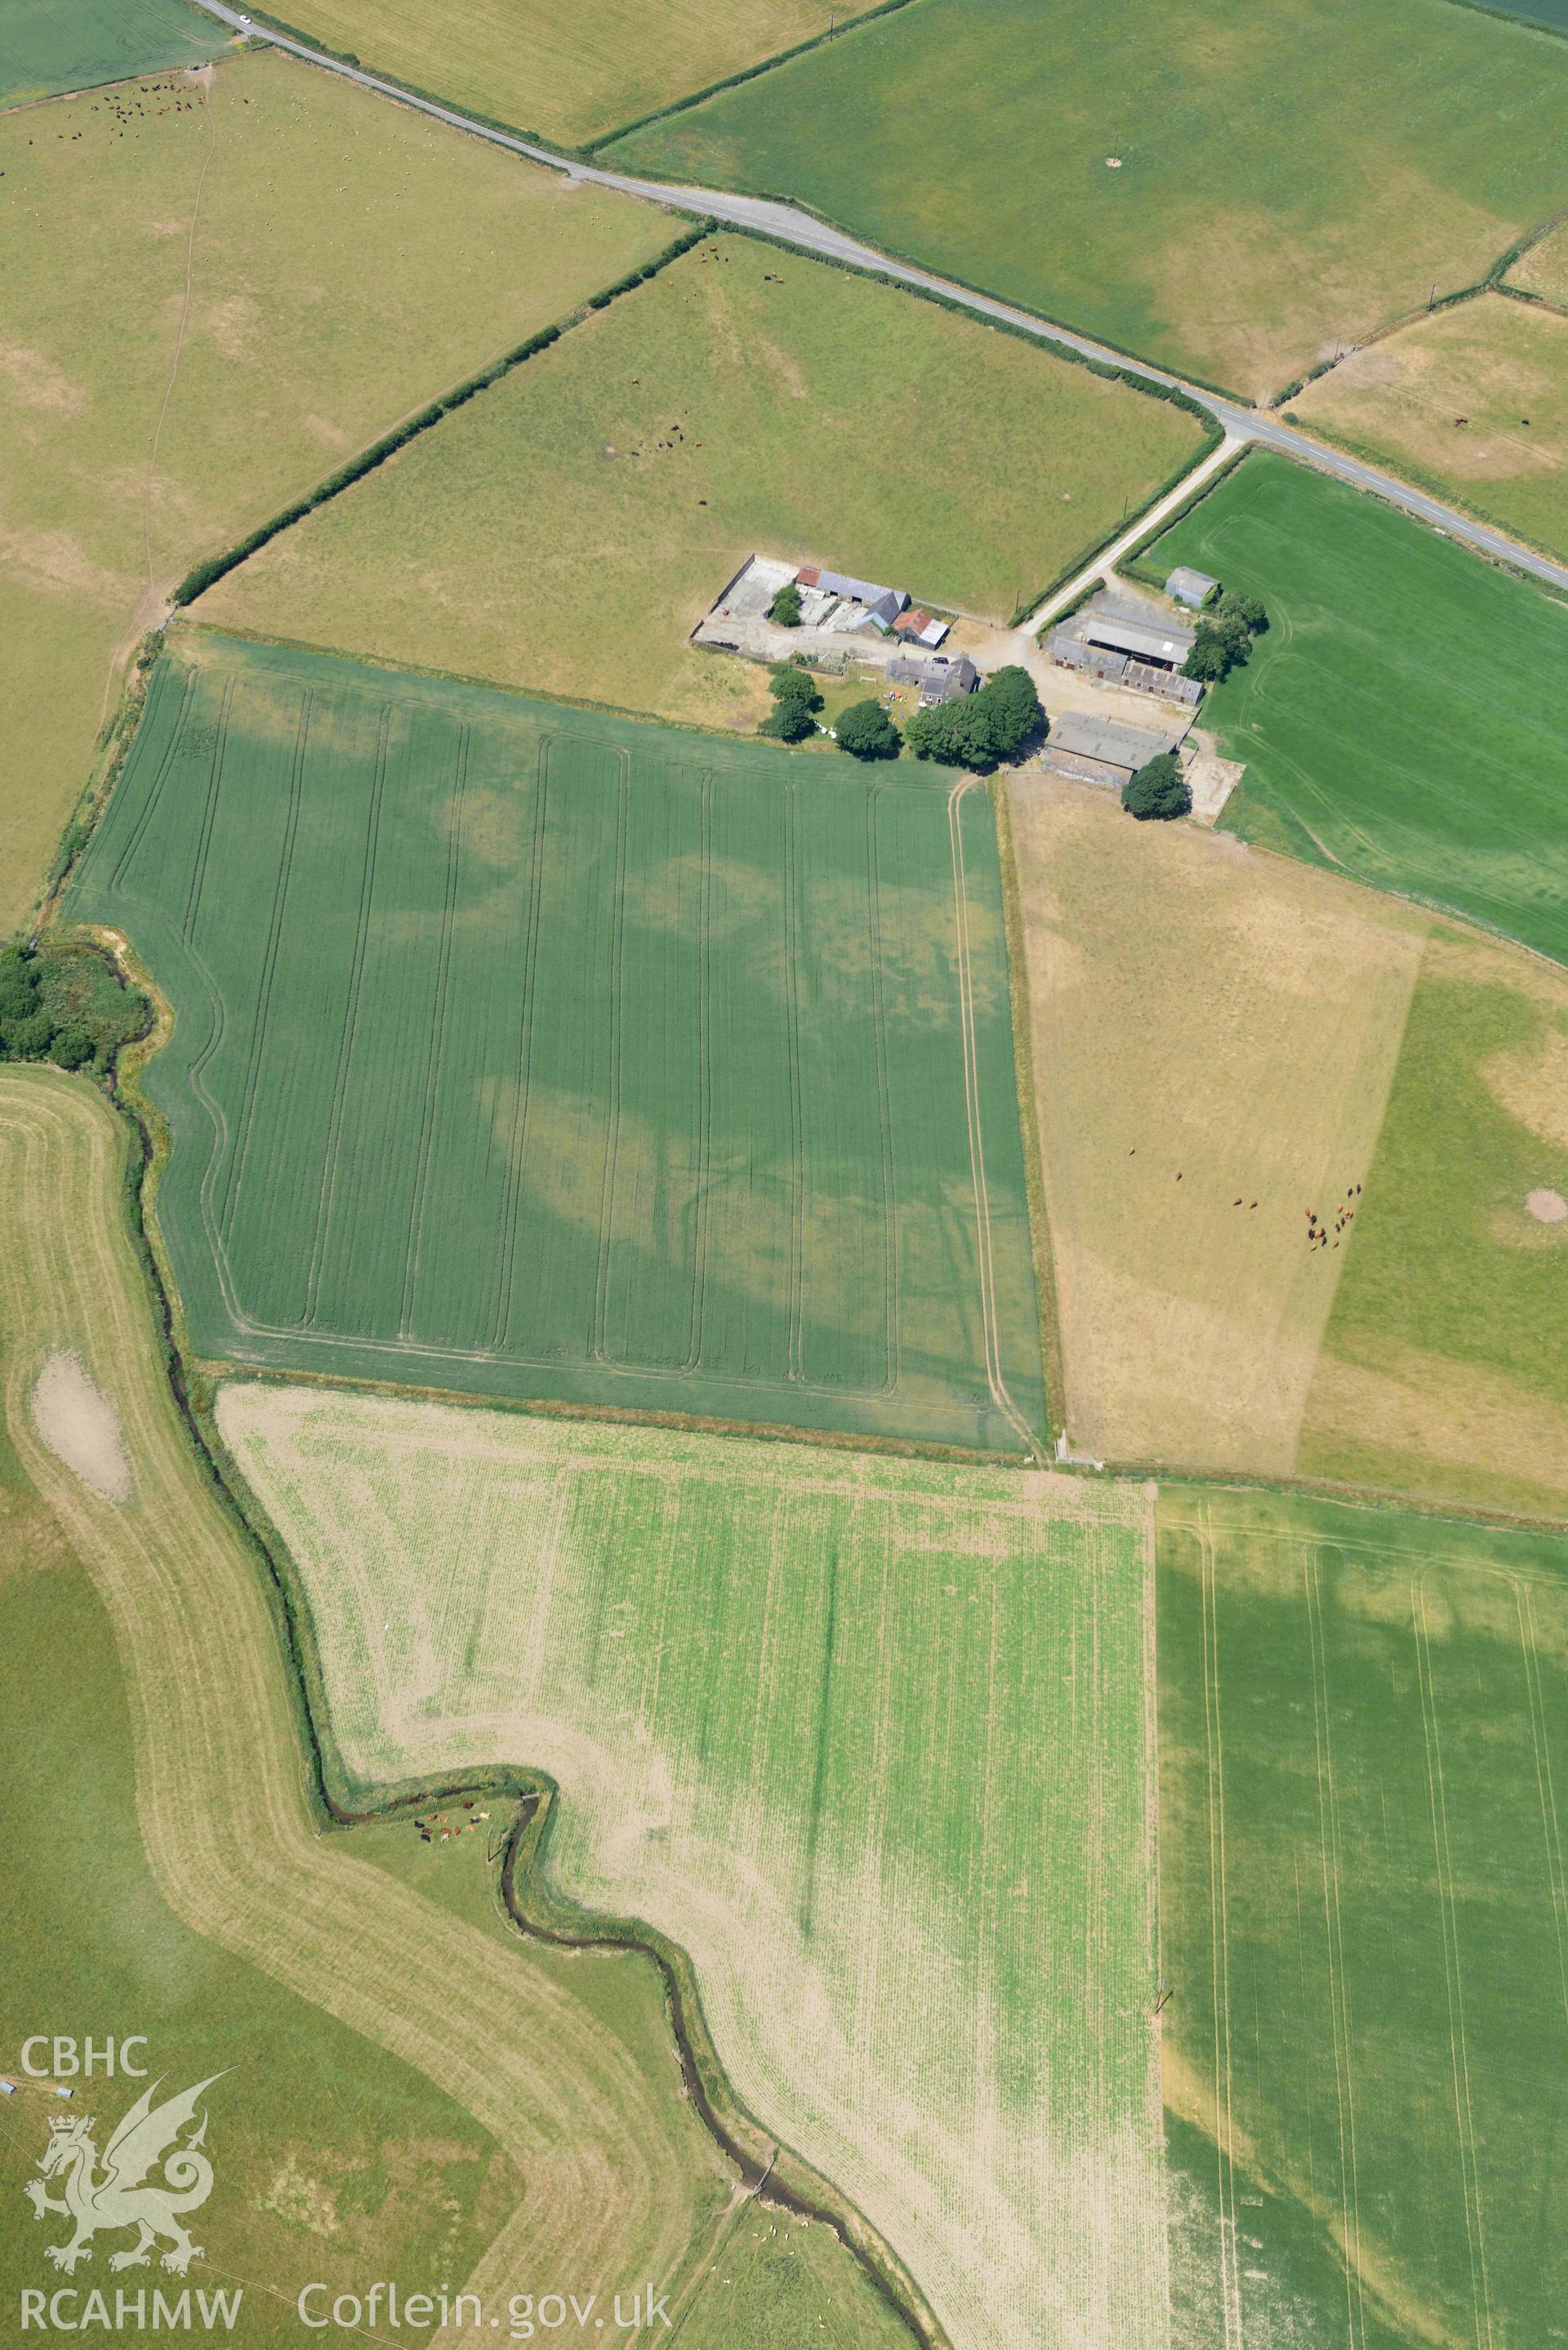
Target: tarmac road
x=811, y=235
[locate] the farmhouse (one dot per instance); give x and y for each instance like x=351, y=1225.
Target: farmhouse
x=939, y=680
x=1186, y=586
x=1100, y=751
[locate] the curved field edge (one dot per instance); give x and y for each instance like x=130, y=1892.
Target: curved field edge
x=339, y=1801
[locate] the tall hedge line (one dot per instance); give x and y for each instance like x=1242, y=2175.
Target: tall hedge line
x=213, y=568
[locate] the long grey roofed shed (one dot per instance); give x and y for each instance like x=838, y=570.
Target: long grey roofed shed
x=1159, y=643
x=1103, y=738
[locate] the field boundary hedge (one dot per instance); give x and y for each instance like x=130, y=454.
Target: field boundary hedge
x=747, y=73
x=1411, y=471
x=340, y=1801
x=213, y=568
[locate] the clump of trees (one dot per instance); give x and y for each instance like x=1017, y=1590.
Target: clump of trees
x=784, y=609
x=1224, y=639
x=796, y=704
x=983, y=728
x=1159, y=789
x=865, y=732
x=66, y=1005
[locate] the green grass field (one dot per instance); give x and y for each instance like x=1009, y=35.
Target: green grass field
x=1500, y=366
x=1402, y=719
x=868, y=1739
x=1445, y=1366
x=546, y=68
x=1233, y=195
x=567, y=529
x=347, y=260
x=1364, y=1735
x=46, y=46
x=637, y=1068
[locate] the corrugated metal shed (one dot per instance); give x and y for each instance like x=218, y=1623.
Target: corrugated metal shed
x=857, y=591
x=1136, y=638
x=1189, y=586
x=1106, y=740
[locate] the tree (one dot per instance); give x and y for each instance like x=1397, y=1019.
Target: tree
x=72, y=1046
x=1245, y=608
x=784, y=609
x=1210, y=658
x=1159, y=789
x=789, y=721
x=865, y=732
x=791, y=685
x=1013, y=710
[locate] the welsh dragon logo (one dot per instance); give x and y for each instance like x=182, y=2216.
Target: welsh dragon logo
x=117, y=2196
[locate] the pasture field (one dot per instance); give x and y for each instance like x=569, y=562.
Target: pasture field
x=1500, y=365
x=347, y=260
x=867, y=1738
x=597, y=2166
x=528, y=1052
x=569, y=528
x=1402, y=719
x=1209, y=1025
x=1233, y=199
x=1364, y=1740
x=551, y=69
x=1445, y=1366
x=45, y=47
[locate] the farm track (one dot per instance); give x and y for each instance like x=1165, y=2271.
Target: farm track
x=222, y=1789
x=790, y=226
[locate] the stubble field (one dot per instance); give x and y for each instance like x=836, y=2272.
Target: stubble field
x=567, y=529
x=1233, y=195
x=1401, y=719
x=867, y=1739
x=218, y=287
x=46, y=46
x=1363, y=1737
x=550, y=68
x=530, y=1053
x=1472, y=402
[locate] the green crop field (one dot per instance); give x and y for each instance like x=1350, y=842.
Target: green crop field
x=1472, y=401
x=1233, y=196
x=867, y=1739
x=526, y=1051
x=559, y=72
x=348, y=261
x=1402, y=719
x=1364, y=1924
x=1445, y=1366
x=57, y=45
x=571, y=527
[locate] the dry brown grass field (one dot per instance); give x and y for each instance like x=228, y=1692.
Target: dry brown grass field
x=566, y=73
x=218, y=284
x=1543, y=270
x=1210, y=1024
x=1472, y=401
x=618, y=2180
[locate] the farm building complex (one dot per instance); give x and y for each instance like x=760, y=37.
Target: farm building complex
x=1131, y=644
x=1101, y=751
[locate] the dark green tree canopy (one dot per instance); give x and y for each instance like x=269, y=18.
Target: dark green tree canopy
x=66, y=1005
x=994, y=723
x=1159, y=789
x=789, y=721
x=788, y=683
x=865, y=730
x=784, y=609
